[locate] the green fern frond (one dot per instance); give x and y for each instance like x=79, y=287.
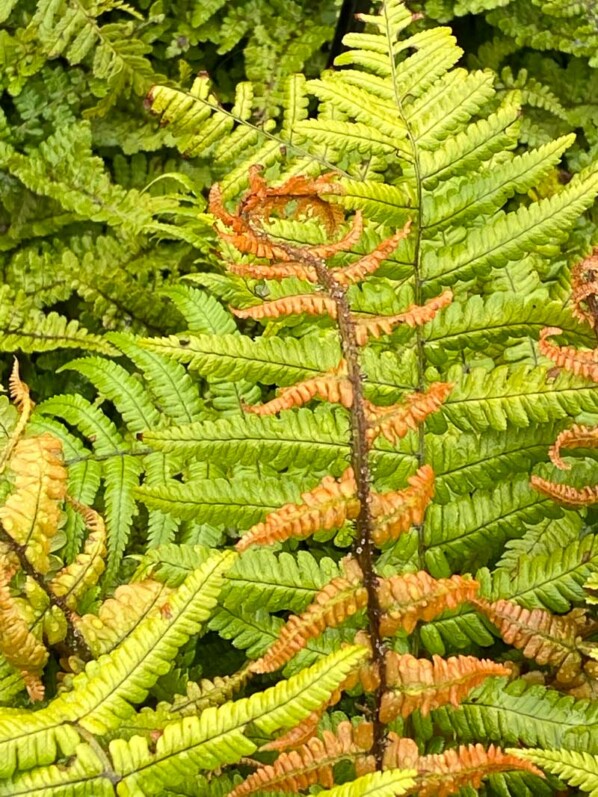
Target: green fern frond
x=380, y=784
x=575, y=768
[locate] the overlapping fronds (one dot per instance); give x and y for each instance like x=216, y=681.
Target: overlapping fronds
x=327, y=506
x=540, y=635
x=407, y=599
x=312, y=763
x=425, y=685
x=397, y=511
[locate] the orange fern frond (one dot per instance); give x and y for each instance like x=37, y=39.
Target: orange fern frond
x=584, y=286
x=565, y=493
x=394, y=422
x=446, y=773
x=297, y=735
x=581, y=363
x=412, y=597
x=309, y=303
x=333, y=604
x=216, y=208
x=312, y=763
x=370, y=263
x=277, y=271
x=332, y=387
x=327, y=506
x=324, y=251
x=396, y=512
x=250, y=242
x=575, y=437
x=21, y=649
x=414, y=316
x=426, y=685
x=539, y=635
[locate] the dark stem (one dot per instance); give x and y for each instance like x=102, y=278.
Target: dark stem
x=74, y=639
x=363, y=548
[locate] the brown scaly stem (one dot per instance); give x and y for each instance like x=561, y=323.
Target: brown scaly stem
x=363, y=547
x=74, y=639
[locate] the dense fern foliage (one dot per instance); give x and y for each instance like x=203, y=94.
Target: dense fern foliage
x=312, y=507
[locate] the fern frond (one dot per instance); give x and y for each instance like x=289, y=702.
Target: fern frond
x=31, y=514
x=310, y=764
x=334, y=387
x=327, y=506
x=412, y=317
x=540, y=635
x=396, y=421
x=102, y=695
x=21, y=649
x=217, y=737
x=426, y=685
x=310, y=304
x=578, y=769
x=580, y=362
x=395, y=512
x=337, y=601
x=72, y=581
x=376, y=784
x=409, y=598
x=445, y=773
x=576, y=436
x=517, y=395
x=565, y=493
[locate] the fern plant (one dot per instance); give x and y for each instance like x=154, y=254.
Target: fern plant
x=363, y=434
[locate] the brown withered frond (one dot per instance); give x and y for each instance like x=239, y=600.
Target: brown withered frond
x=400, y=753
x=396, y=512
x=75, y=579
x=412, y=597
x=575, y=437
x=584, y=289
x=394, y=422
x=333, y=387
x=300, y=191
x=277, y=271
x=327, y=506
x=426, y=685
x=414, y=316
x=31, y=513
x=544, y=637
x=333, y=604
x=370, y=263
x=216, y=207
x=309, y=303
x=581, y=363
x=565, y=493
x=21, y=649
x=251, y=242
x=446, y=773
x=312, y=763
